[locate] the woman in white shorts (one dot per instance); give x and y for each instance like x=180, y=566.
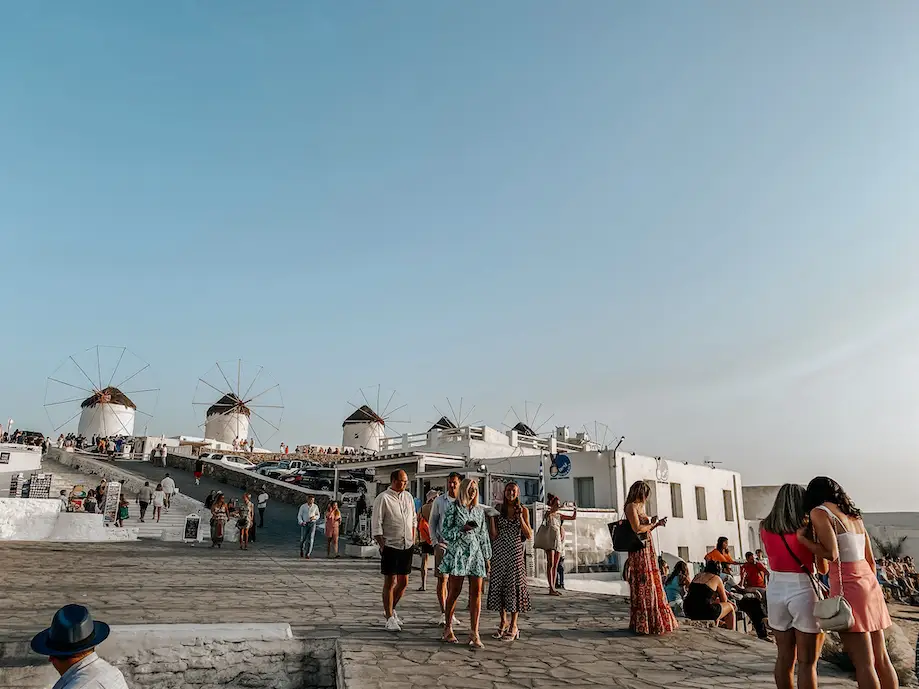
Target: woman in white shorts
x=791, y=592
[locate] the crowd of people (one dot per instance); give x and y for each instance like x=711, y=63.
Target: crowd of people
x=821, y=576
x=19, y=437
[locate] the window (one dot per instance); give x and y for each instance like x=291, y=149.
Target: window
x=701, y=510
x=676, y=499
x=728, y=505
x=584, y=492
x=683, y=552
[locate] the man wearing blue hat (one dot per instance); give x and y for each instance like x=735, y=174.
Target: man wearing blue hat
x=70, y=644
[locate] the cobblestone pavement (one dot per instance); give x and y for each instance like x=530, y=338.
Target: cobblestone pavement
x=579, y=640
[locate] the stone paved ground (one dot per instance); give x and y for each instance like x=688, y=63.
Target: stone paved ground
x=579, y=640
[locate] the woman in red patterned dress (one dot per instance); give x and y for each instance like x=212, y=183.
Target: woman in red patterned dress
x=649, y=612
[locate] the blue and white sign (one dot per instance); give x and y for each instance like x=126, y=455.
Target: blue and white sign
x=560, y=467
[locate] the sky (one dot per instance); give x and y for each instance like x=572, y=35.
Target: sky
x=693, y=223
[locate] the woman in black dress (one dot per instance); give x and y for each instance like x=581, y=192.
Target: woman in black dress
x=507, y=583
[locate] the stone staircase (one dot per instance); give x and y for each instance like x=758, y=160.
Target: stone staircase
x=172, y=522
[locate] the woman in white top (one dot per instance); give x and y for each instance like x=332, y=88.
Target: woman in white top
x=159, y=500
x=838, y=535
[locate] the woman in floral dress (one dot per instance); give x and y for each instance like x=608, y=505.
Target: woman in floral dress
x=649, y=612
x=468, y=549
x=507, y=582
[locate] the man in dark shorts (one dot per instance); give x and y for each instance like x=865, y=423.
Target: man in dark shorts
x=393, y=528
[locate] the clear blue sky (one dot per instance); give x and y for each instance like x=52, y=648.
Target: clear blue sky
x=693, y=222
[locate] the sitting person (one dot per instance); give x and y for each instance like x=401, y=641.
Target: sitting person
x=706, y=598
x=676, y=585
x=754, y=576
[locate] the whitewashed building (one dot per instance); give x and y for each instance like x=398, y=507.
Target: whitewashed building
x=702, y=503
x=227, y=420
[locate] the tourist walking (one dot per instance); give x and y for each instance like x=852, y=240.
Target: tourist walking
x=159, y=500
x=425, y=543
x=332, y=525
x=262, y=504
x=169, y=487
x=838, y=535
x=123, y=511
x=244, y=521
x=393, y=528
x=209, y=500
x=553, y=522
x=70, y=644
x=791, y=591
x=707, y=599
x=219, y=515
x=199, y=471
x=649, y=612
x=468, y=550
x=144, y=498
x=508, y=592
x=308, y=518
x=439, y=508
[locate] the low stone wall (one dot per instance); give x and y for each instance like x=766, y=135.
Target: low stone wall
x=250, y=481
x=193, y=657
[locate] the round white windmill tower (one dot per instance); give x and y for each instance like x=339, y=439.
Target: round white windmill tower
x=107, y=387
x=365, y=429
x=107, y=412
x=248, y=404
x=227, y=420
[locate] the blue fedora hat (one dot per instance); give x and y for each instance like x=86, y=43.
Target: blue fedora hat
x=72, y=631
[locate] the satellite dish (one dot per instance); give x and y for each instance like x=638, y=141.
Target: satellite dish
x=663, y=471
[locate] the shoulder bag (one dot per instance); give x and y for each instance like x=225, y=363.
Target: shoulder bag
x=625, y=540
x=545, y=536
x=834, y=614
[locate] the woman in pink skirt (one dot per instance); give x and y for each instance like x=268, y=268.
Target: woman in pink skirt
x=837, y=534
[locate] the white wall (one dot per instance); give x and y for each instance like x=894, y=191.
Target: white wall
x=366, y=434
x=106, y=419
x=23, y=458
x=758, y=500
x=613, y=477
x=226, y=428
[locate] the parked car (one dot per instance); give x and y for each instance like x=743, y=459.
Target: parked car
x=283, y=468
x=235, y=462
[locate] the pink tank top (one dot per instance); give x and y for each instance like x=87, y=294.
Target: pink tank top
x=780, y=560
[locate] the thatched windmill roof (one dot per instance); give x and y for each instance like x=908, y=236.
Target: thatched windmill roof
x=228, y=404
x=523, y=429
x=109, y=395
x=443, y=424
x=364, y=415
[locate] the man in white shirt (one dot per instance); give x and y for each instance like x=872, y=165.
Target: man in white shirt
x=441, y=505
x=169, y=488
x=262, y=504
x=393, y=528
x=70, y=644
x=308, y=518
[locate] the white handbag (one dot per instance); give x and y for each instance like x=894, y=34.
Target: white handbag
x=834, y=614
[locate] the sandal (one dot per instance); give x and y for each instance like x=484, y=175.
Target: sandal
x=511, y=635
x=449, y=639
x=476, y=642
x=502, y=630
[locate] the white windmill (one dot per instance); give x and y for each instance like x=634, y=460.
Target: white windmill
x=456, y=419
x=529, y=425
x=245, y=403
x=106, y=408
x=364, y=429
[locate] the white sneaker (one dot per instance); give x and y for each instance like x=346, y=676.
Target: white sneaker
x=443, y=620
x=398, y=619
x=455, y=622
x=392, y=625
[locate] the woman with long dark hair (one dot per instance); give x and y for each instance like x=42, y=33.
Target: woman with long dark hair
x=791, y=592
x=648, y=609
x=553, y=519
x=677, y=585
x=837, y=534
x=507, y=582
